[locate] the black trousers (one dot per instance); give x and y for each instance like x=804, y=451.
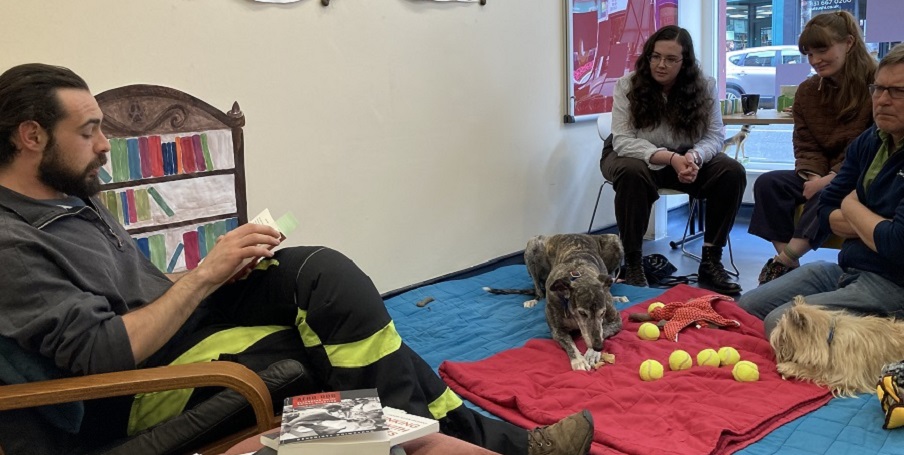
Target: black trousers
x=777, y=195
x=339, y=325
x=721, y=182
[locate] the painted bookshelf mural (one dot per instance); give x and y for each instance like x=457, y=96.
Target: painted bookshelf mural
x=145, y=157
x=160, y=184
x=175, y=177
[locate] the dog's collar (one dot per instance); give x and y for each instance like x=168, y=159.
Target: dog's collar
x=831, y=333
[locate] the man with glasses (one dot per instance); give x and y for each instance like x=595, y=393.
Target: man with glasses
x=865, y=205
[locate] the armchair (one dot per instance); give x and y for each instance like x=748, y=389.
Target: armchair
x=222, y=374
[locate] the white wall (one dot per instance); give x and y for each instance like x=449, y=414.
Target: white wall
x=418, y=137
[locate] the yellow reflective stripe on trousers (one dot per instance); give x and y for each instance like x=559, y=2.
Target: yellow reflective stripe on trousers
x=308, y=337
x=149, y=409
x=444, y=404
x=356, y=354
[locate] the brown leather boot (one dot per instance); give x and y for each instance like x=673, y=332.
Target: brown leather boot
x=569, y=436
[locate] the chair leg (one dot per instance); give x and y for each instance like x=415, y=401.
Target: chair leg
x=598, y=195
x=695, y=212
x=736, y=273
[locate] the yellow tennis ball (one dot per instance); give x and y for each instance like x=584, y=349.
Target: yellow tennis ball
x=654, y=305
x=680, y=360
x=650, y=370
x=745, y=371
x=708, y=358
x=648, y=331
x=728, y=355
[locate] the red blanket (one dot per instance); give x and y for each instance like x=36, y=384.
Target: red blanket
x=701, y=410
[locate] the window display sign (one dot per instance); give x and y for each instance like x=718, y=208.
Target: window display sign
x=603, y=39
x=824, y=6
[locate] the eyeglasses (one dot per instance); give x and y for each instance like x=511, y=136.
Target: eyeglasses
x=896, y=93
x=668, y=61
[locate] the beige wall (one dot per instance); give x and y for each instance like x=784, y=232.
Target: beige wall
x=418, y=137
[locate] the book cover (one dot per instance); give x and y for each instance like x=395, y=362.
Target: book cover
x=177, y=146
x=350, y=421
x=133, y=159
x=404, y=427
x=144, y=155
x=200, y=161
x=156, y=154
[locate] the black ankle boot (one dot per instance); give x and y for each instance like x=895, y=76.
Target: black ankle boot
x=712, y=275
x=634, y=269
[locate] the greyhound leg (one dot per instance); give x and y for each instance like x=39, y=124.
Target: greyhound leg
x=578, y=362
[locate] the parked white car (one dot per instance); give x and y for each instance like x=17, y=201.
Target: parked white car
x=752, y=70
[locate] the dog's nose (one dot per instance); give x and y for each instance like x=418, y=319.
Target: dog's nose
x=598, y=348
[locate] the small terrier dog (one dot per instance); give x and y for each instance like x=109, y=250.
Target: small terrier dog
x=572, y=272
x=738, y=141
x=836, y=349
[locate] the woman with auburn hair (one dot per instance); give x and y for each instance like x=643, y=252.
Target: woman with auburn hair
x=667, y=133
x=830, y=110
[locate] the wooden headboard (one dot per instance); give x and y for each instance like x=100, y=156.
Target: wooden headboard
x=175, y=177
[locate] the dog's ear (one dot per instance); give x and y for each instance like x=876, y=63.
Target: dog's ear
x=562, y=287
x=605, y=279
x=794, y=316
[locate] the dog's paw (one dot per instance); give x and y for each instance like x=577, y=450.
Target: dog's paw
x=591, y=356
x=530, y=303
x=580, y=364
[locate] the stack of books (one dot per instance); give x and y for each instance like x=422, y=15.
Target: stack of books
x=340, y=423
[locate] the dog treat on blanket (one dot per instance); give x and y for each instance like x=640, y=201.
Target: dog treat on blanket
x=605, y=358
x=424, y=302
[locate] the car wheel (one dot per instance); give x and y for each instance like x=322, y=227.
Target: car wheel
x=732, y=93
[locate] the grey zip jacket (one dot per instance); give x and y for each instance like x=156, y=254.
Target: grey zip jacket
x=67, y=276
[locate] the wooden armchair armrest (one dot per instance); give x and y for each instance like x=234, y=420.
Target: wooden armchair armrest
x=220, y=374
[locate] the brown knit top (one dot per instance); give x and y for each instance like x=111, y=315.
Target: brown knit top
x=820, y=139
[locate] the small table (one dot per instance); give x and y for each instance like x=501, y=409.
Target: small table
x=762, y=117
x=432, y=444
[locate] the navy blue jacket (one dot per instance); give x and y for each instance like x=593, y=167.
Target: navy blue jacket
x=885, y=198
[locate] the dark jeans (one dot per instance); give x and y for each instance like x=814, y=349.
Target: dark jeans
x=777, y=195
x=721, y=182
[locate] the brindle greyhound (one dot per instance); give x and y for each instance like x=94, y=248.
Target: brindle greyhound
x=572, y=272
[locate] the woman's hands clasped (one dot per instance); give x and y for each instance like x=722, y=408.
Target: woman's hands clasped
x=685, y=166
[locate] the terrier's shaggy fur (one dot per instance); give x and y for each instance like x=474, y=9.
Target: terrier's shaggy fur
x=836, y=349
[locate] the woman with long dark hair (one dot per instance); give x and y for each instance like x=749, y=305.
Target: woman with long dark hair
x=830, y=110
x=667, y=132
